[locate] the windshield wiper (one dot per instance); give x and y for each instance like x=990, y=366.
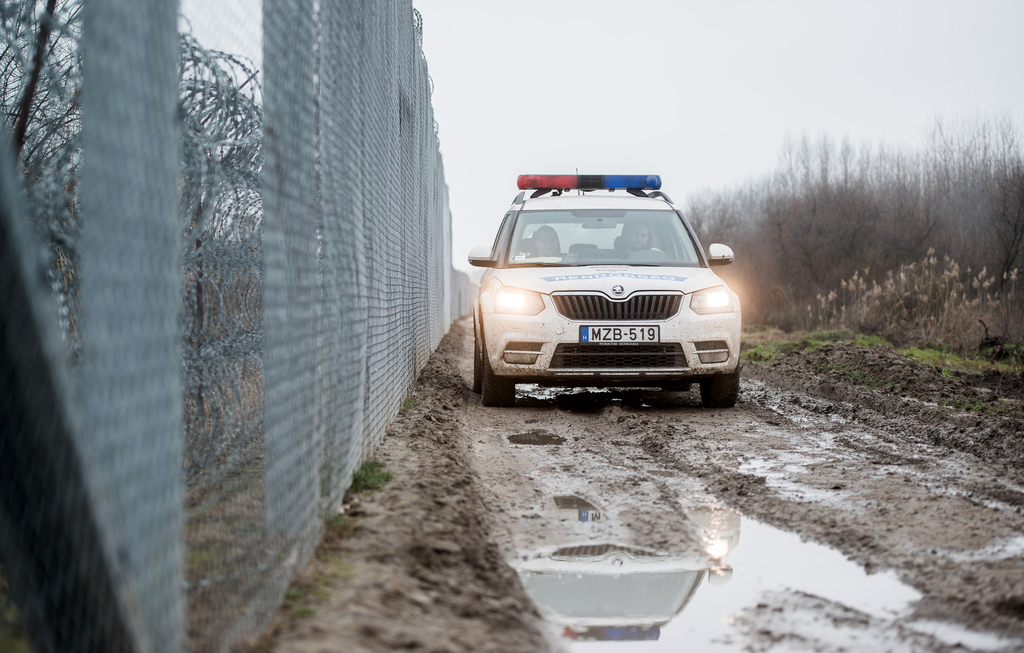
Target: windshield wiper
x=541, y=264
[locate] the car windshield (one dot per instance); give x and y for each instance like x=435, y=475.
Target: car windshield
x=601, y=236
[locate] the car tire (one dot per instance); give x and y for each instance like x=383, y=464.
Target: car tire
x=721, y=391
x=496, y=390
x=478, y=368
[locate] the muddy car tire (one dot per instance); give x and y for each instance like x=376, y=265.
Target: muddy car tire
x=496, y=390
x=720, y=391
x=478, y=368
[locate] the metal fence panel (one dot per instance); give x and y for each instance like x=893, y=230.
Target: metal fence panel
x=131, y=384
x=261, y=271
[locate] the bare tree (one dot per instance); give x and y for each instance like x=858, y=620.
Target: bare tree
x=1008, y=218
x=827, y=212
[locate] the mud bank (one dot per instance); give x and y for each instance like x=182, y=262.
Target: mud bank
x=637, y=515
x=413, y=567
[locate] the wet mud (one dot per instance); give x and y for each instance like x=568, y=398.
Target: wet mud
x=844, y=504
x=535, y=437
x=414, y=567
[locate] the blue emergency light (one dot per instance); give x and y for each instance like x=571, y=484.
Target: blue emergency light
x=590, y=182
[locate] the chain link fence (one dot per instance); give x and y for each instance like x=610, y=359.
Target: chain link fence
x=219, y=277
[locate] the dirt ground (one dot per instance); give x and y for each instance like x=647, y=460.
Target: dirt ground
x=888, y=517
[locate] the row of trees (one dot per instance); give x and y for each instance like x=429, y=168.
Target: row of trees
x=829, y=211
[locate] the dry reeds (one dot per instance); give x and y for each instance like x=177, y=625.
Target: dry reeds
x=926, y=302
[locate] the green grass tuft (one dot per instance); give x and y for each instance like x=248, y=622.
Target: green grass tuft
x=765, y=347
x=764, y=354
x=303, y=611
x=370, y=477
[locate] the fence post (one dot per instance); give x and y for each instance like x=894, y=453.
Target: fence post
x=131, y=300
x=291, y=289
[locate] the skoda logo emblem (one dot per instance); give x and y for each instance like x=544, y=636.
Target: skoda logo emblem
x=618, y=290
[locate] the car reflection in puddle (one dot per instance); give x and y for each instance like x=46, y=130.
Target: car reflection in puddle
x=576, y=508
x=612, y=592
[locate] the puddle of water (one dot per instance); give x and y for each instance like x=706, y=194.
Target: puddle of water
x=954, y=635
x=606, y=596
x=778, y=475
x=1010, y=547
x=547, y=393
x=535, y=437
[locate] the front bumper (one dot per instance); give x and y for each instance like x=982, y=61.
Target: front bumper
x=522, y=338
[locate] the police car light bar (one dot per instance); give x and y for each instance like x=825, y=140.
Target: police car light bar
x=590, y=182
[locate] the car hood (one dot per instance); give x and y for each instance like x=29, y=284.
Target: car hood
x=603, y=277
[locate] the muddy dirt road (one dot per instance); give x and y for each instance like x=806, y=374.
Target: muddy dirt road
x=819, y=514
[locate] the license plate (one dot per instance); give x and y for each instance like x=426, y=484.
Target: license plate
x=632, y=334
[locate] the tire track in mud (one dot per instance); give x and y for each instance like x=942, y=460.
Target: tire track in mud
x=883, y=480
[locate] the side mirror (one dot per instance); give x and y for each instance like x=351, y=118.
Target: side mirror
x=480, y=256
x=719, y=254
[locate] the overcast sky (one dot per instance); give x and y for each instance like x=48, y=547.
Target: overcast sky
x=702, y=93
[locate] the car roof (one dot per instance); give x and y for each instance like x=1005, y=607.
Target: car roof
x=571, y=201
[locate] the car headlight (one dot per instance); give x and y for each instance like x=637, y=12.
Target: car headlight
x=520, y=302
x=712, y=300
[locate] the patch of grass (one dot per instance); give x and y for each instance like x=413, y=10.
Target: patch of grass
x=303, y=611
x=821, y=338
x=859, y=377
x=999, y=407
x=409, y=402
x=764, y=346
x=339, y=527
x=864, y=379
x=336, y=568
x=870, y=341
x=759, y=334
x=945, y=359
x=764, y=354
x=370, y=477
x=949, y=361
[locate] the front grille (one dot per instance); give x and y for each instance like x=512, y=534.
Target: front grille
x=618, y=356
x=637, y=307
x=597, y=551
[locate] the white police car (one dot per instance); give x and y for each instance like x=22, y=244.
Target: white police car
x=595, y=287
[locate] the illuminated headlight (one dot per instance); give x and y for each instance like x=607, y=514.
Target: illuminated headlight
x=520, y=302
x=712, y=300
x=717, y=548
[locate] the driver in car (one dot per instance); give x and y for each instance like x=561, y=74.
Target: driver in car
x=637, y=238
